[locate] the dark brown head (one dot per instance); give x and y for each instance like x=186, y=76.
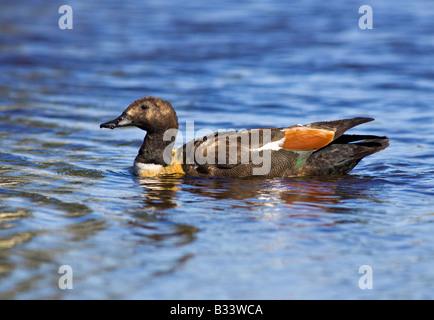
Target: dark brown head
x=152, y=114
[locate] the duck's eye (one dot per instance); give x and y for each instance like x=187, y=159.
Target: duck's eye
x=144, y=107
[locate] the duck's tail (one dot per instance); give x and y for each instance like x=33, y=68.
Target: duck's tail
x=342, y=155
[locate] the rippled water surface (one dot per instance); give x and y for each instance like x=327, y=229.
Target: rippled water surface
x=68, y=195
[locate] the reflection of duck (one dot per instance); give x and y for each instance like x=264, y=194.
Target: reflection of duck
x=258, y=193
x=149, y=220
x=294, y=193
x=319, y=148
x=159, y=193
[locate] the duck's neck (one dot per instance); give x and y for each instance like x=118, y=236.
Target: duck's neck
x=155, y=149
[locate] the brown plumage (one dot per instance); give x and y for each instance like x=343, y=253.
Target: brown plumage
x=320, y=148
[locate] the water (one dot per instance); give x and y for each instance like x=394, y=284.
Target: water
x=68, y=195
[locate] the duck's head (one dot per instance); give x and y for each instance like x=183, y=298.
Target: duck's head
x=152, y=114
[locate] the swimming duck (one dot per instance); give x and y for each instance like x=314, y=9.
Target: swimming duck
x=315, y=149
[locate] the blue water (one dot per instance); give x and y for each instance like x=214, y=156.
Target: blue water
x=68, y=195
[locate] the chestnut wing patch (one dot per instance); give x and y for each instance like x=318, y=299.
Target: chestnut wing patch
x=304, y=138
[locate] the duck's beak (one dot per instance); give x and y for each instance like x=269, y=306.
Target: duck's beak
x=122, y=121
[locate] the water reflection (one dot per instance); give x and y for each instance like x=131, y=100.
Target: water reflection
x=159, y=193
x=150, y=222
x=319, y=193
x=280, y=198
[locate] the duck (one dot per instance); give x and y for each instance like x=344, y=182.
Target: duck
x=314, y=149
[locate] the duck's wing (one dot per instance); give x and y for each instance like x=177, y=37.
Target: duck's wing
x=282, y=151
x=228, y=149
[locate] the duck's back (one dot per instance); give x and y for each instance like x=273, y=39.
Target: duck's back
x=319, y=148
